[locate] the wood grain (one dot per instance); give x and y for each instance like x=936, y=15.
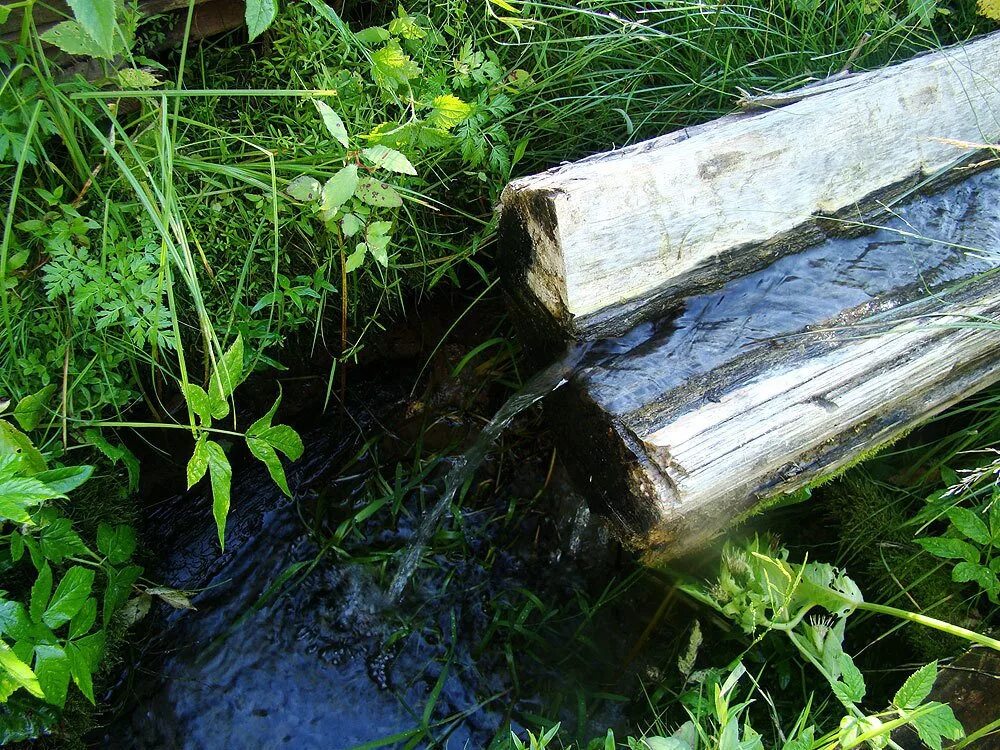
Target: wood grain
x=615, y=238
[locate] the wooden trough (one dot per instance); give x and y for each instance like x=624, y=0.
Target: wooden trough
x=773, y=294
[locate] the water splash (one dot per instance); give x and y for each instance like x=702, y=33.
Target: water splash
x=538, y=387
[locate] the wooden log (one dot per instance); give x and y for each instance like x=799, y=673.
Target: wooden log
x=605, y=242
x=785, y=376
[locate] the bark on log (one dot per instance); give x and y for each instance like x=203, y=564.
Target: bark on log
x=786, y=376
x=605, y=242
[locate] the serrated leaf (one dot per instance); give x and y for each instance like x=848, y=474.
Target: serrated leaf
x=136, y=78
x=97, y=18
x=917, y=687
x=965, y=572
x=117, y=543
x=378, y=194
x=355, y=259
x=937, y=723
x=41, y=591
x=924, y=10
x=339, y=189
x=372, y=35
x=228, y=374
x=19, y=494
x=69, y=596
x=304, y=188
x=198, y=401
x=198, y=463
x=950, y=549
x=391, y=67
x=58, y=540
x=389, y=159
x=64, y=480
x=52, y=671
x=18, y=671
x=970, y=524
x=83, y=620
x=851, y=686
x=84, y=656
x=29, y=410
x=266, y=454
x=221, y=476
x=333, y=123
x=447, y=111
x=71, y=38
x=259, y=15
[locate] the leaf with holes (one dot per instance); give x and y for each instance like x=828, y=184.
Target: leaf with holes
x=304, y=188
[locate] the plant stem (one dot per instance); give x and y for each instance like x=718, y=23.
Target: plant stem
x=933, y=622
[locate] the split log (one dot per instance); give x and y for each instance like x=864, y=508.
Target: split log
x=595, y=246
x=784, y=377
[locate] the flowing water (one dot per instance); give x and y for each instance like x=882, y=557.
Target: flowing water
x=464, y=466
x=341, y=659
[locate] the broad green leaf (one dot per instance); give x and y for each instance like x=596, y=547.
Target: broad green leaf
x=198, y=401
x=970, y=524
x=447, y=111
x=116, y=543
x=304, y=188
x=264, y=422
x=97, y=18
x=851, y=687
x=372, y=35
x=388, y=158
x=41, y=591
x=950, y=549
x=29, y=410
x=84, y=655
x=69, y=597
x=377, y=239
x=227, y=375
x=937, y=723
x=350, y=225
x=283, y=438
x=136, y=608
x=379, y=194
x=119, y=588
x=18, y=671
x=18, y=494
x=965, y=572
x=83, y=620
x=355, y=259
x=391, y=67
x=339, y=189
x=406, y=26
x=333, y=122
x=52, y=670
x=4, y=13
x=260, y=14
x=58, y=540
x=672, y=743
x=14, y=620
x=13, y=441
x=65, y=480
x=221, y=475
x=262, y=450
x=916, y=688
x=198, y=463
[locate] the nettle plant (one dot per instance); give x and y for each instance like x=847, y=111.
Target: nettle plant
x=759, y=588
x=971, y=541
x=61, y=592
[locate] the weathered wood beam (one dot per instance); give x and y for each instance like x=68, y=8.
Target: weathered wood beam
x=602, y=243
x=785, y=376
